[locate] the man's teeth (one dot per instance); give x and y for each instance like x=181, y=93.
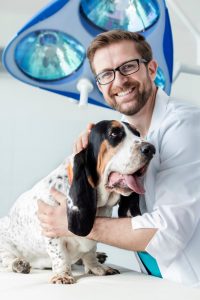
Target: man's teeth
x=121, y=94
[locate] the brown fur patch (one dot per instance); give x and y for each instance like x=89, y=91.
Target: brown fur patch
x=69, y=173
x=105, y=153
x=116, y=124
x=106, y=150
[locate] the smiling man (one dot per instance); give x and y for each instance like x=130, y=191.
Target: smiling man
x=167, y=233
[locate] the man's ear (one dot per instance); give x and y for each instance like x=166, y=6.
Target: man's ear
x=82, y=204
x=152, y=68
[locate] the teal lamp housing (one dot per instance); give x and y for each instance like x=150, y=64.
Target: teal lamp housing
x=49, y=52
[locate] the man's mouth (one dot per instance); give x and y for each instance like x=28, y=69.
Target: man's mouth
x=125, y=93
x=132, y=182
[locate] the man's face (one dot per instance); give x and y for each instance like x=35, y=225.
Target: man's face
x=126, y=94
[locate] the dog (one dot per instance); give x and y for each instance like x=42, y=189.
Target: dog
x=93, y=181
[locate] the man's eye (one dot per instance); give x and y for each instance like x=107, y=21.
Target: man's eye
x=106, y=75
x=129, y=66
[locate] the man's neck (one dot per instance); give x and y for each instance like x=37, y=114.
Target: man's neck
x=142, y=119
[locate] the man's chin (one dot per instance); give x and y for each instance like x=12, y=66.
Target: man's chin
x=128, y=111
x=128, y=107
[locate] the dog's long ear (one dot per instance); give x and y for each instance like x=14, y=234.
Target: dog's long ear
x=129, y=206
x=83, y=203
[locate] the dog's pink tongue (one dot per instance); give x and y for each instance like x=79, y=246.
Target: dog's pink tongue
x=133, y=182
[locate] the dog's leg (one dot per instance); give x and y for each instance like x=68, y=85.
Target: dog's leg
x=61, y=264
x=9, y=254
x=7, y=258
x=101, y=258
x=93, y=266
x=12, y=262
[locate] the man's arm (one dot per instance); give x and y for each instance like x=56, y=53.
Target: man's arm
x=119, y=233
x=110, y=231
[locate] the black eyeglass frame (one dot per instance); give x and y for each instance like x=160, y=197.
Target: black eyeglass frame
x=138, y=60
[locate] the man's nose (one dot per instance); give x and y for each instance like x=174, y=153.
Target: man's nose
x=148, y=150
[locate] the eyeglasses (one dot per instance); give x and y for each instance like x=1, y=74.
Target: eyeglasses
x=127, y=68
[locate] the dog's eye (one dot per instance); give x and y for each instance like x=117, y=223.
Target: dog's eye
x=115, y=132
x=116, y=135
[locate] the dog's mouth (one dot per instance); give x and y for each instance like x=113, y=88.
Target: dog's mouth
x=131, y=182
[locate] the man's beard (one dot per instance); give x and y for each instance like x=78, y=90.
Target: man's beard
x=140, y=98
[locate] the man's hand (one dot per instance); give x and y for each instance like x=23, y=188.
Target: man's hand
x=53, y=219
x=82, y=141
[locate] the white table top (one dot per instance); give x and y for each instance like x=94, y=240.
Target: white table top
x=127, y=285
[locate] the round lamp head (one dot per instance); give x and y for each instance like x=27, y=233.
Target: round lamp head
x=131, y=15
x=49, y=55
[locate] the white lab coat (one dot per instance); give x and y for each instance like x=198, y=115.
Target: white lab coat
x=172, y=183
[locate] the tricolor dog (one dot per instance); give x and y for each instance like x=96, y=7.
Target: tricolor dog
x=113, y=164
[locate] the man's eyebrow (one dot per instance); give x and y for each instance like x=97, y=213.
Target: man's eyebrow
x=121, y=64
x=104, y=70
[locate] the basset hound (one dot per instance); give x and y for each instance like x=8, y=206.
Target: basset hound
x=93, y=181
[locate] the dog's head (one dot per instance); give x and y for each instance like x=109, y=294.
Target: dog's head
x=115, y=160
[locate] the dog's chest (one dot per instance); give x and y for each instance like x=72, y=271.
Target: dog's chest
x=77, y=246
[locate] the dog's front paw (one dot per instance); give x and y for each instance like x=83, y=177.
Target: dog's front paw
x=97, y=270
x=100, y=271
x=20, y=265
x=111, y=271
x=62, y=279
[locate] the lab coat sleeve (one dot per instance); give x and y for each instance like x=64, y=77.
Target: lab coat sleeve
x=177, y=190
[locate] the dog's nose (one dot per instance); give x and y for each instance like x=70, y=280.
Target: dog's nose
x=148, y=150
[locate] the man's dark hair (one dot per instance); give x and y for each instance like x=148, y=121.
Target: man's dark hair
x=115, y=36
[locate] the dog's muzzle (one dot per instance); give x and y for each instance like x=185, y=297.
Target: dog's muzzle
x=132, y=182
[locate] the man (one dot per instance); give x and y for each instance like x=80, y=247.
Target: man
x=169, y=227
